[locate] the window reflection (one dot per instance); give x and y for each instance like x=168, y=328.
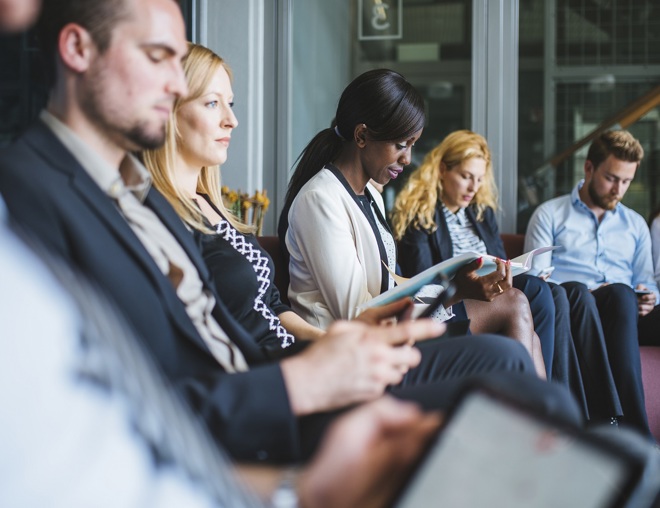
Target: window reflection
x=582, y=63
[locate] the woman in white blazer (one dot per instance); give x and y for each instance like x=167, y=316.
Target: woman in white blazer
x=333, y=223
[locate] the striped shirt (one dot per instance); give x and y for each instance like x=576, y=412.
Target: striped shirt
x=462, y=232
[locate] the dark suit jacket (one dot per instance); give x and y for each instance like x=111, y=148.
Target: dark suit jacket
x=51, y=195
x=419, y=250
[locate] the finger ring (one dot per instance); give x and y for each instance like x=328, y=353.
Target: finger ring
x=498, y=287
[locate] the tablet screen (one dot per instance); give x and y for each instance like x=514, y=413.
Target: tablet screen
x=491, y=454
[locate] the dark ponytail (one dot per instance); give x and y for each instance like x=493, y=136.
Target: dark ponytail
x=323, y=148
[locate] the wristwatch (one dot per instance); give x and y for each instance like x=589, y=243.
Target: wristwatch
x=285, y=495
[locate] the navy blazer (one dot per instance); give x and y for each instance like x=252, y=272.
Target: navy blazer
x=419, y=250
x=50, y=194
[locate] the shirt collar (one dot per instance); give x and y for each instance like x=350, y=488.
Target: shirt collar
x=458, y=217
x=578, y=203
x=106, y=177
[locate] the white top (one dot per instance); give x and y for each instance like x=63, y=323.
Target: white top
x=335, y=264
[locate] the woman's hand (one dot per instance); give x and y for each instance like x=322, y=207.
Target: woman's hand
x=471, y=286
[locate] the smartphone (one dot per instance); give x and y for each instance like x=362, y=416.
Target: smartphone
x=493, y=451
x=643, y=291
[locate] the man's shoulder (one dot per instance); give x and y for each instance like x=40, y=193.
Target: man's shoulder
x=34, y=170
x=36, y=146
x=548, y=210
x=631, y=215
x=555, y=203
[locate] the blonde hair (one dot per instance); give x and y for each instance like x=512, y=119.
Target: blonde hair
x=416, y=202
x=199, y=66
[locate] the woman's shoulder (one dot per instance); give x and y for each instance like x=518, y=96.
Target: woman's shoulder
x=323, y=186
x=488, y=213
x=323, y=178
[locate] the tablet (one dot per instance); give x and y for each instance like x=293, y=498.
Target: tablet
x=493, y=452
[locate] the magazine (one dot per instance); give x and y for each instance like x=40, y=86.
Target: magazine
x=449, y=268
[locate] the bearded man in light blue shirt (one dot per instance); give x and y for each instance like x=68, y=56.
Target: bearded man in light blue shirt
x=606, y=247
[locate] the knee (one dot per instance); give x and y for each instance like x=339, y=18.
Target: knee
x=618, y=290
x=578, y=293
x=519, y=304
x=560, y=299
x=533, y=287
x=538, y=294
x=619, y=296
x=573, y=287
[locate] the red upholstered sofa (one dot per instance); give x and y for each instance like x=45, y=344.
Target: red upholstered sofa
x=513, y=244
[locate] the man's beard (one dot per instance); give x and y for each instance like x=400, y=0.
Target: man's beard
x=601, y=201
x=140, y=136
x=114, y=123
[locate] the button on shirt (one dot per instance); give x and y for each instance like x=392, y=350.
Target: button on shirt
x=163, y=247
x=616, y=249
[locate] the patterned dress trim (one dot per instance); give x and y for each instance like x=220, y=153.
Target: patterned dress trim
x=260, y=266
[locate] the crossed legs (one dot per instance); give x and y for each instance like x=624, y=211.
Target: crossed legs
x=508, y=315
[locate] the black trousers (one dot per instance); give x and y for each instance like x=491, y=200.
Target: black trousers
x=551, y=311
x=566, y=366
x=449, y=363
x=617, y=308
x=591, y=365
x=541, y=304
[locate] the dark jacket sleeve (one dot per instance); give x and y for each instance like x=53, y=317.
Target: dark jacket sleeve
x=490, y=234
x=248, y=413
x=415, y=252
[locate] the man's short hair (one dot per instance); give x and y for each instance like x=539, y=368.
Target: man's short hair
x=98, y=17
x=621, y=144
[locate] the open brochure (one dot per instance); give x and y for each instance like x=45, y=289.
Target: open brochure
x=449, y=267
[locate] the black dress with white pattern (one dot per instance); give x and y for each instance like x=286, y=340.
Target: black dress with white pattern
x=243, y=274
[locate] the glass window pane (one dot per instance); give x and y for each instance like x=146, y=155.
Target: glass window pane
x=428, y=41
x=604, y=57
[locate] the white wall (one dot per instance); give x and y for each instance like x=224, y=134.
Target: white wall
x=321, y=66
x=238, y=38
x=310, y=84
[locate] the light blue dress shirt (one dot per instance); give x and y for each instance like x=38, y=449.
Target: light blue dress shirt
x=618, y=249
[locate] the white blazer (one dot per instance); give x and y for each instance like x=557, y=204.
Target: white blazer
x=335, y=264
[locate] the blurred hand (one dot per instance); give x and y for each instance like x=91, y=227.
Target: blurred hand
x=645, y=303
x=470, y=286
x=401, y=310
x=353, y=362
x=365, y=455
